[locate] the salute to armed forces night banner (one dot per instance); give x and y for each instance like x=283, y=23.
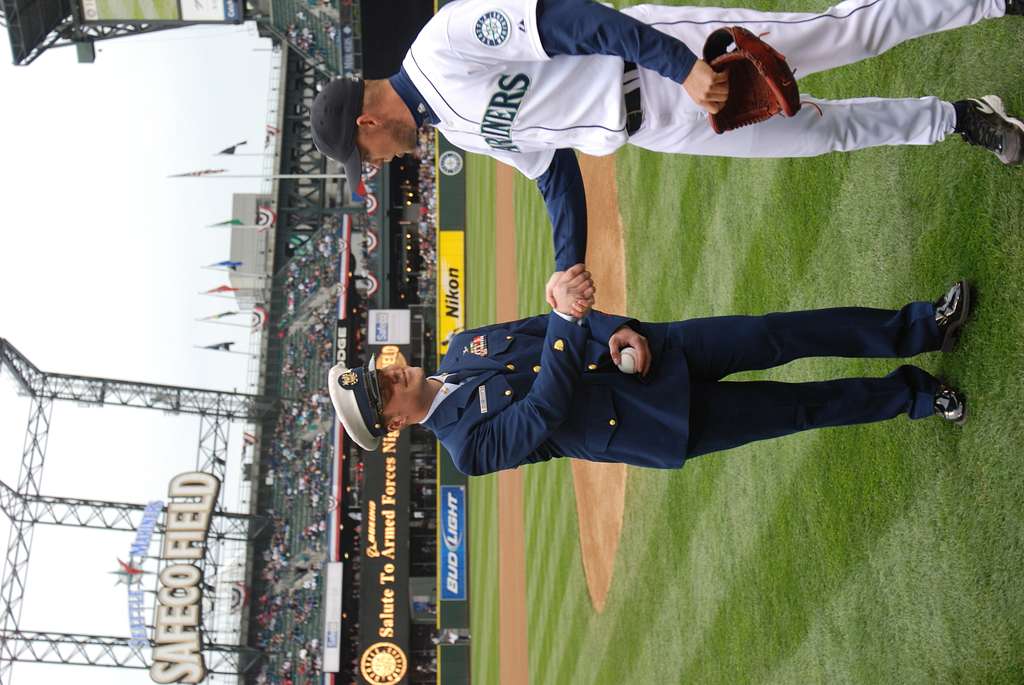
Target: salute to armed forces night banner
x=384, y=574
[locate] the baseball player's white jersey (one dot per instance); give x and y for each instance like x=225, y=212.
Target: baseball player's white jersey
x=481, y=67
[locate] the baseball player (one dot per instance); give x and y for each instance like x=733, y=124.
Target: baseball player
x=547, y=386
x=529, y=81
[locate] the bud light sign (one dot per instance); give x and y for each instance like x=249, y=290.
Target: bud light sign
x=453, y=535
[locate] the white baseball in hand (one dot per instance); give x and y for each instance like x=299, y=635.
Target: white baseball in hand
x=627, y=363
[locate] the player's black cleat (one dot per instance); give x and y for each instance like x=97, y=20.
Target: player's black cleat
x=950, y=405
x=951, y=312
x=984, y=122
x=1015, y=7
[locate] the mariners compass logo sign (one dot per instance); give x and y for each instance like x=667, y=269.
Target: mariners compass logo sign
x=450, y=163
x=492, y=28
x=383, y=663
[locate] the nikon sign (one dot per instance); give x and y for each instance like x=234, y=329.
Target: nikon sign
x=451, y=287
x=177, y=634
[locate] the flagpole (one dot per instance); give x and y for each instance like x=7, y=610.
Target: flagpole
x=236, y=273
x=200, y=347
x=240, y=226
x=225, y=323
x=266, y=177
x=241, y=310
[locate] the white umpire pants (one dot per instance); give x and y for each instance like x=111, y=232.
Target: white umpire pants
x=846, y=33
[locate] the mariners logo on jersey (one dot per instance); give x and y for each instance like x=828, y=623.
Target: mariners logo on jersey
x=501, y=111
x=492, y=28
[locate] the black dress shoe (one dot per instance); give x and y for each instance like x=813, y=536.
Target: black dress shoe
x=951, y=312
x=951, y=405
x=985, y=122
x=1015, y=7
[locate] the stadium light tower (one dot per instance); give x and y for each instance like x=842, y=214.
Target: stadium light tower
x=25, y=506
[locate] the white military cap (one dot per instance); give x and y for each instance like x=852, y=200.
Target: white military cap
x=356, y=398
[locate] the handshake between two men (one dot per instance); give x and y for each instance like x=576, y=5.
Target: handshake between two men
x=572, y=293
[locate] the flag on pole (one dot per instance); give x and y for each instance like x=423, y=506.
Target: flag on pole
x=217, y=316
x=220, y=347
x=229, y=222
x=221, y=289
x=201, y=172
x=272, y=132
x=231, y=150
x=259, y=317
x=227, y=264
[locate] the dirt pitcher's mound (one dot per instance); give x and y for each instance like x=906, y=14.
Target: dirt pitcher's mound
x=601, y=488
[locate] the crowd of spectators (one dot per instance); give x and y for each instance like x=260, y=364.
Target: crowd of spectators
x=309, y=351
x=418, y=233
x=314, y=266
x=316, y=30
x=296, y=470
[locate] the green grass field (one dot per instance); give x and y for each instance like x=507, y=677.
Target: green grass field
x=889, y=553
x=138, y=9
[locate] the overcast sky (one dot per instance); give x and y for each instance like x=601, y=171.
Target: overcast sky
x=99, y=273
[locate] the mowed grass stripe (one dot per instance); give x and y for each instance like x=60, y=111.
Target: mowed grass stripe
x=483, y=492
x=480, y=240
x=559, y=566
x=535, y=256
x=483, y=577
x=886, y=590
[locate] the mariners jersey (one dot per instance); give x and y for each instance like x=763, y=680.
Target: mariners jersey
x=481, y=67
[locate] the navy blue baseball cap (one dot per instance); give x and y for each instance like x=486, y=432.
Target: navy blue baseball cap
x=333, y=117
x=355, y=395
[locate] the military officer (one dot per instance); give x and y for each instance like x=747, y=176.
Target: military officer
x=548, y=386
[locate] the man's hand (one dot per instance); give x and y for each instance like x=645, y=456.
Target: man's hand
x=571, y=292
x=707, y=87
x=627, y=337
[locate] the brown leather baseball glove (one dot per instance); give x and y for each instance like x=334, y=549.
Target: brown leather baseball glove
x=761, y=84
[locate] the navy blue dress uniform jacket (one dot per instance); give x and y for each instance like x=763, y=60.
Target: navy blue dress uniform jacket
x=543, y=387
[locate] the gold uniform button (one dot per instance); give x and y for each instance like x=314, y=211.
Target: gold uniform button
x=611, y=422
x=510, y=367
x=536, y=369
x=508, y=337
x=508, y=393
x=559, y=345
x=591, y=366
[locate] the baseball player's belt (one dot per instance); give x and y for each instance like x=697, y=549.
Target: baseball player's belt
x=631, y=94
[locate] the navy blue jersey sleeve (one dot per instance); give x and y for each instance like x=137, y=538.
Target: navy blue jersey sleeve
x=583, y=27
x=566, y=201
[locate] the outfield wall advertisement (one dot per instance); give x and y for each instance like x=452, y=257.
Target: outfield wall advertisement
x=451, y=287
x=453, y=536
x=198, y=11
x=384, y=620
x=452, y=492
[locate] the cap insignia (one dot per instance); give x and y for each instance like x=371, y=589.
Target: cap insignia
x=349, y=379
